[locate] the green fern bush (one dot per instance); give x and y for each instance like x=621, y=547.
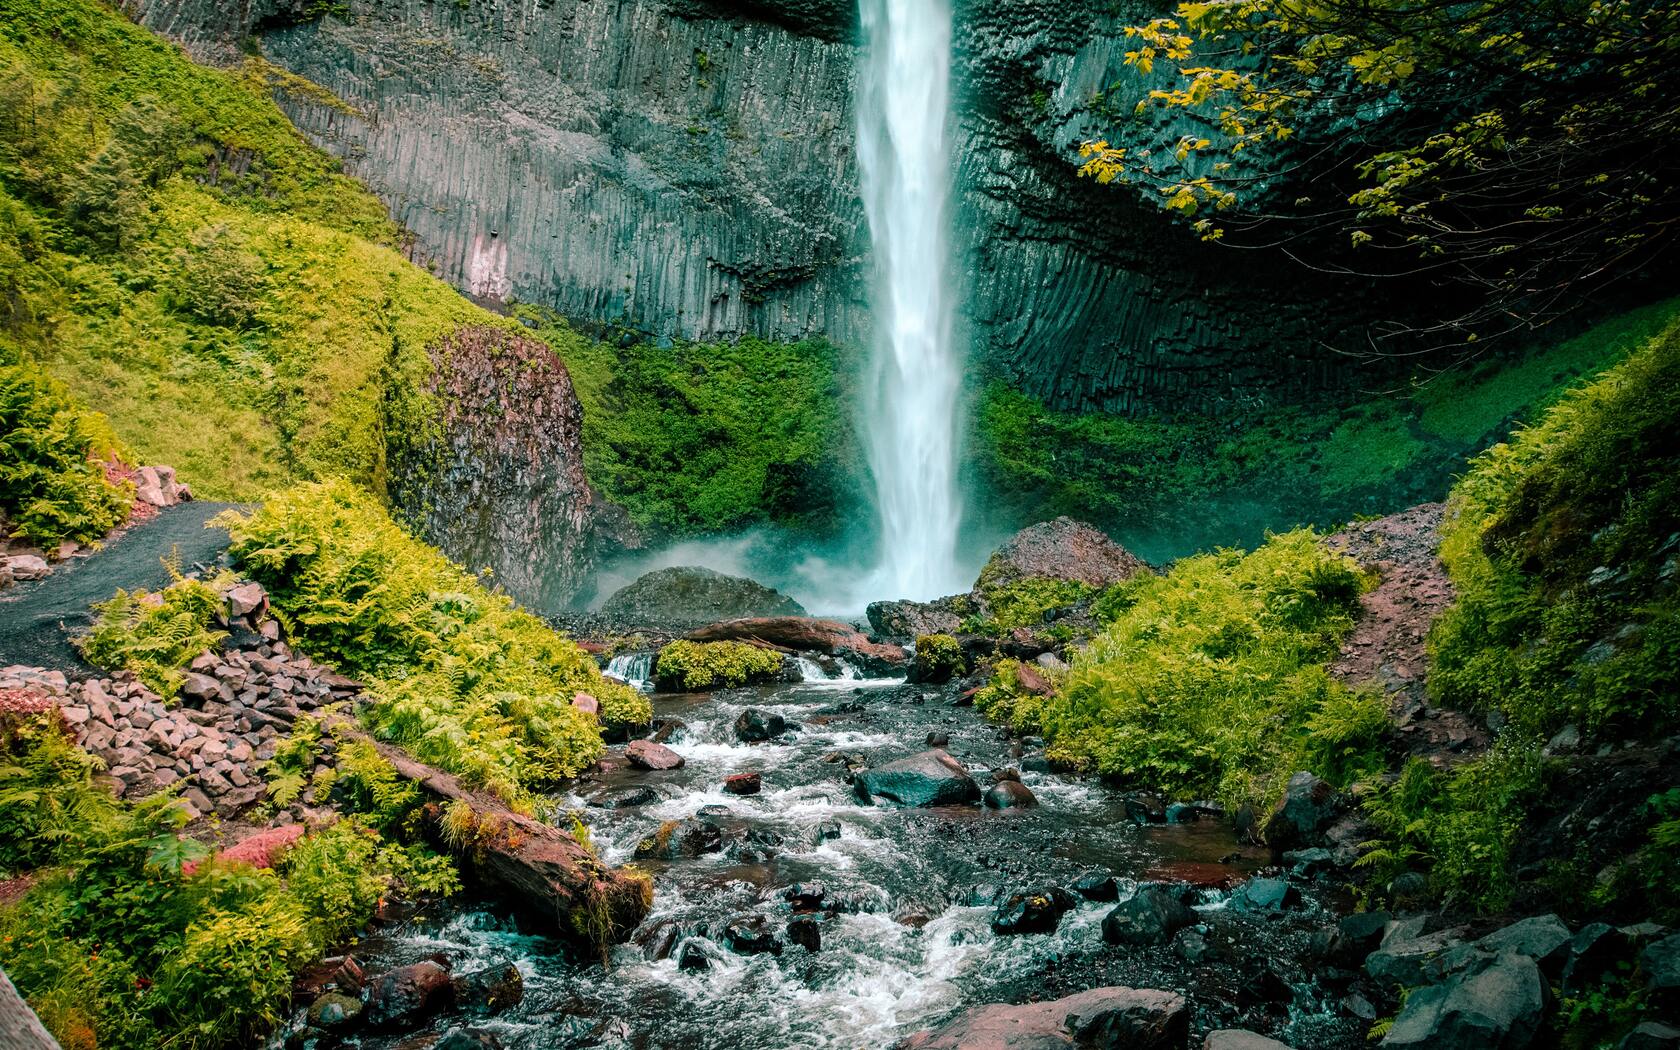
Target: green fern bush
x=48, y=800
x=462, y=678
x=154, y=635
x=50, y=489
x=1210, y=679
x=692, y=666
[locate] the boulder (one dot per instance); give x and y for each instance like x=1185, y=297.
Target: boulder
x=1035, y=910
x=1660, y=962
x=693, y=957
x=743, y=783
x=754, y=726
x=626, y=798
x=1356, y=936
x=1239, y=1039
x=245, y=599
x=26, y=567
x=905, y=620
x=1009, y=794
x=157, y=486
x=403, y=997
x=808, y=634
x=805, y=933
x=1307, y=809
x=806, y=896
x=677, y=839
x=1652, y=1035
x=1191, y=945
x=1260, y=896
x=1400, y=959
x=1498, y=1006
x=691, y=596
x=335, y=1012
x=468, y=1039
x=1543, y=938
x=1062, y=549
x=751, y=935
x=645, y=754
x=1150, y=916
x=932, y=778
x=489, y=991
x=1097, y=886
x=1111, y=1018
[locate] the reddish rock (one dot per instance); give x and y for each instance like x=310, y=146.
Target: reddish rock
x=804, y=634
x=401, y=997
x=645, y=754
x=1103, y=1019
x=245, y=599
x=743, y=783
x=588, y=705
x=1030, y=679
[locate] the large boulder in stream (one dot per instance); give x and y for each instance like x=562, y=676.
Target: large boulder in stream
x=906, y=620
x=690, y=595
x=403, y=997
x=1100, y=1019
x=932, y=778
x=809, y=635
x=1150, y=916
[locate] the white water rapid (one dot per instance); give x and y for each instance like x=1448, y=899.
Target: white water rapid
x=911, y=423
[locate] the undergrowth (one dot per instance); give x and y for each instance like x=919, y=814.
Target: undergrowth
x=461, y=677
x=693, y=666
x=52, y=488
x=154, y=635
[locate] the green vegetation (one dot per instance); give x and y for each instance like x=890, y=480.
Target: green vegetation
x=705, y=437
x=1209, y=680
x=693, y=666
x=939, y=658
x=1318, y=464
x=52, y=487
x=1022, y=603
x=156, y=635
x=130, y=938
x=460, y=676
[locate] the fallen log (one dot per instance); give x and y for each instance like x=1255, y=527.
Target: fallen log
x=807, y=634
x=539, y=868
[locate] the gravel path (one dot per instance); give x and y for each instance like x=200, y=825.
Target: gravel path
x=36, y=619
x=1386, y=648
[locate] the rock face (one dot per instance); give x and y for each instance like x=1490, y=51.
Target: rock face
x=497, y=482
x=1100, y=1019
x=691, y=596
x=1062, y=549
x=689, y=168
x=932, y=778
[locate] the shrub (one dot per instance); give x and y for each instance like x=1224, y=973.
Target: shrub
x=154, y=635
x=1562, y=543
x=1209, y=679
x=48, y=801
x=461, y=677
x=50, y=490
x=939, y=658
x=684, y=665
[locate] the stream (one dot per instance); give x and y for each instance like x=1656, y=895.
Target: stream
x=907, y=895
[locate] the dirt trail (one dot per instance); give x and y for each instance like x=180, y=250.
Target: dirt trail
x=1386, y=648
x=36, y=618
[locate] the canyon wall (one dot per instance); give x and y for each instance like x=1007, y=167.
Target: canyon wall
x=686, y=168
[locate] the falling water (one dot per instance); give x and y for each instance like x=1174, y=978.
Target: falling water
x=912, y=431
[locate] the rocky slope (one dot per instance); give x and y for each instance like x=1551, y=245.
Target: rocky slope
x=688, y=168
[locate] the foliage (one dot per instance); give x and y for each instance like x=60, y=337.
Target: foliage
x=705, y=437
x=939, y=658
x=51, y=489
x=462, y=678
x=1517, y=149
x=1562, y=544
x=1024, y=602
x=1458, y=826
x=48, y=800
x=1210, y=680
x=154, y=635
x=693, y=666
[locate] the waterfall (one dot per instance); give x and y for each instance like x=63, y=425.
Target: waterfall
x=903, y=101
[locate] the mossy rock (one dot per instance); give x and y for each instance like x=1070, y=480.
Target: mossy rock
x=939, y=658
x=685, y=666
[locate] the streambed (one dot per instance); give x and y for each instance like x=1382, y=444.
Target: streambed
x=905, y=924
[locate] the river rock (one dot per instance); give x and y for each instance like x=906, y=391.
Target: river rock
x=754, y=726
x=808, y=634
x=1356, y=936
x=468, y=1039
x=1036, y=910
x=693, y=957
x=403, y=997
x=805, y=933
x=932, y=778
x=1308, y=807
x=677, y=839
x=691, y=595
x=335, y=1012
x=626, y=798
x=1097, y=886
x=1259, y=896
x=645, y=754
x=1400, y=959
x=906, y=620
x=1100, y=1019
x=1652, y=1035
x=1062, y=549
x=1191, y=945
x=806, y=896
x=1150, y=916
x=1499, y=1006
x=743, y=783
x=1009, y=794
x=751, y=935
x=1660, y=962
x=489, y=991
x=1240, y=1039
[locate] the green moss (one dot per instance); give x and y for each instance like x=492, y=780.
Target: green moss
x=706, y=437
x=693, y=666
x=462, y=678
x=939, y=658
x=1210, y=680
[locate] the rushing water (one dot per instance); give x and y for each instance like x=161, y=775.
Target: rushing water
x=906, y=936
x=911, y=424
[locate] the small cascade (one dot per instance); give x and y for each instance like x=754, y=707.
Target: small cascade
x=635, y=669
x=838, y=671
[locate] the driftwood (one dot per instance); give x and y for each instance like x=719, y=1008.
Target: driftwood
x=20, y=1029
x=539, y=868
